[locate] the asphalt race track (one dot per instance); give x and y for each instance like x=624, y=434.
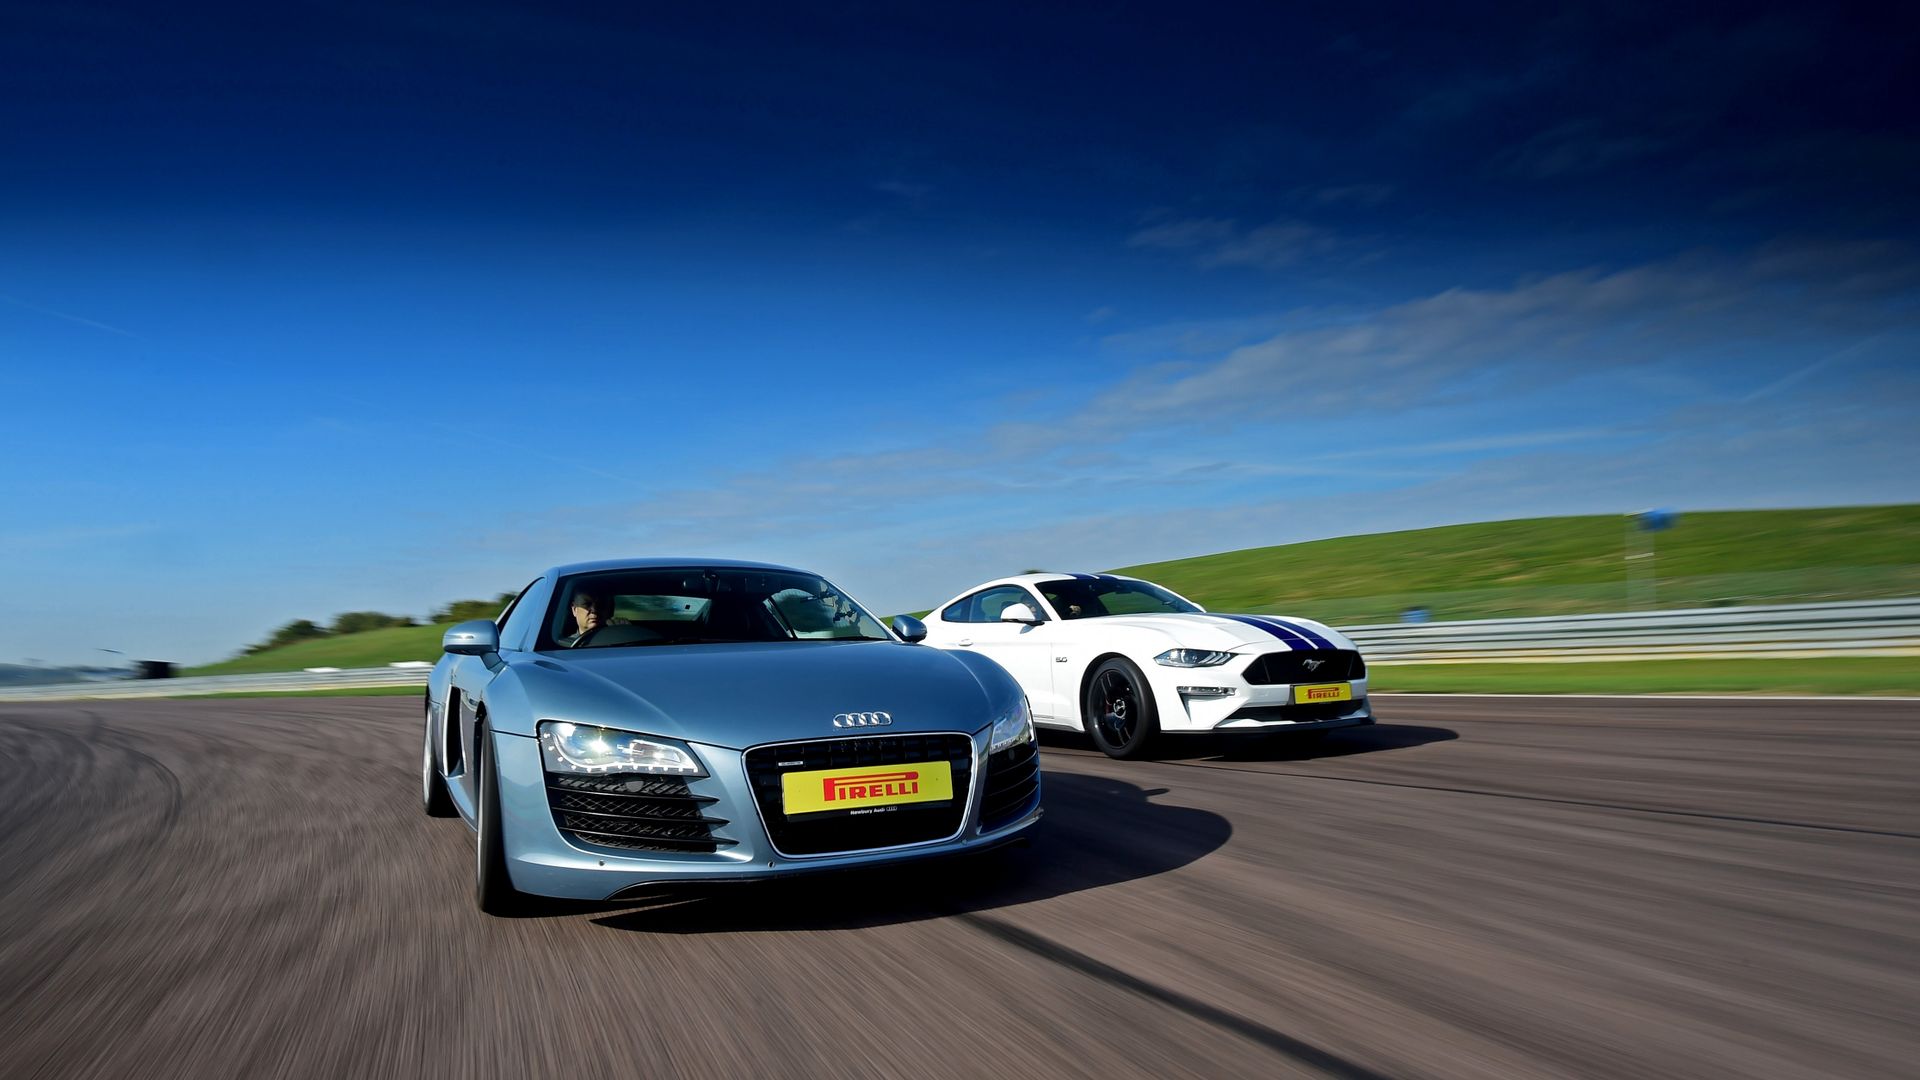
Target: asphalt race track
x=1474, y=888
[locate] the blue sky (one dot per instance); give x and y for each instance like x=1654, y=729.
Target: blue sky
x=332, y=308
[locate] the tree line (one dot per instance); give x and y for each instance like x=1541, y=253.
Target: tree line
x=354, y=622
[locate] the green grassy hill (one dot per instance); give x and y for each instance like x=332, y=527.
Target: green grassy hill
x=1552, y=566
x=371, y=648
x=1538, y=566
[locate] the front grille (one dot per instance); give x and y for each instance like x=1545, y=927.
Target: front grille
x=1335, y=665
x=1012, y=785
x=836, y=831
x=1299, y=714
x=637, y=813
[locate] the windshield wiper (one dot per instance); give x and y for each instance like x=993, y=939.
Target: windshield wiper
x=781, y=618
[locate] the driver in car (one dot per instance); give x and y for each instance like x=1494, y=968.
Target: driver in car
x=586, y=618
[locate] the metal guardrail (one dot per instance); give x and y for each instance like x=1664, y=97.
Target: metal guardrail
x=274, y=682
x=1855, y=628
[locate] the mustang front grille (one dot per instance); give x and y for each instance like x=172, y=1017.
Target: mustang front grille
x=836, y=831
x=1012, y=785
x=638, y=813
x=1327, y=665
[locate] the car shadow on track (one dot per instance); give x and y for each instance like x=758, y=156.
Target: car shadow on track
x=1096, y=832
x=1277, y=746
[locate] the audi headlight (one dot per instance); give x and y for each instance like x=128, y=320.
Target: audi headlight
x=1012, y=729
x=573, y=748
x=1192, y=658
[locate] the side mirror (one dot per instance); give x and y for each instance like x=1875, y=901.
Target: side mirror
x=476, y=638
x=1019, y=613
x=909, y=628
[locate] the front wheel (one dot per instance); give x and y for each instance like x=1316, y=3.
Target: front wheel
x=493, y=890
x=433, y=787
x=1119, y=710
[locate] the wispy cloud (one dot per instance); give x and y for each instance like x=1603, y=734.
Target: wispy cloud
x=1579, y=146
x=1800, y=375
x=1354, y=194
x=75, y=319
x=1184, y=234
x=1194, y=337
x=1270, y=439
x=1518, y=440
x=1217, y=242
x=20, y=541
x=1543, y=330
x=914, y=195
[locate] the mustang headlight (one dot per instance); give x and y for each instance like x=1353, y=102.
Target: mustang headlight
x=1192, y=658
x=572, y=748
x=1014, y=728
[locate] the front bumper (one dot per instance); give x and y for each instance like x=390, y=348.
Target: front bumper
x=544, y=862
x=1246, y=706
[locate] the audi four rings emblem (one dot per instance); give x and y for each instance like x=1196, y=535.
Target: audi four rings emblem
x=862, y=719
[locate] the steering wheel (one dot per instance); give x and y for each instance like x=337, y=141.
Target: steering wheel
x=585, y=636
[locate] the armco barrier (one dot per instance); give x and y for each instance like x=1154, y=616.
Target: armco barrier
x=279, y=681
x=1856, y=628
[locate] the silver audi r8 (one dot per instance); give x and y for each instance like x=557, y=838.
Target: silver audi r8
x=628, y=724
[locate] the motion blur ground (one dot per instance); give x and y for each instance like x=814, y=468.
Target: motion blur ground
x=1471, y=888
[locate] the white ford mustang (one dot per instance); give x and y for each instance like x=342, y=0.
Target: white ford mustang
x=1125, y=660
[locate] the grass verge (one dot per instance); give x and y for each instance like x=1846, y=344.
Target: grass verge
x=1884, y=675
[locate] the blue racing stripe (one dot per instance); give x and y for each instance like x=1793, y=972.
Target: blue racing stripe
x=1318, y=641
x=1295, y=632
x=1291, y=639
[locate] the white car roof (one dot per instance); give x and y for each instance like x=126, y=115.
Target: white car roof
x=1030, y=580
x=1035, y=579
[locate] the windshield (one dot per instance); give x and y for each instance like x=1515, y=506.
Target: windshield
x=1095, y=595
x=701, y=605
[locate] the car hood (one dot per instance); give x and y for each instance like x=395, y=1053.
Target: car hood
x=739, y=695
x=1226, y=633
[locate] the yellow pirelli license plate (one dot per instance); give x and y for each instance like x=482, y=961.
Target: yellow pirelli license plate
x=1333, y=691
x=860, y=789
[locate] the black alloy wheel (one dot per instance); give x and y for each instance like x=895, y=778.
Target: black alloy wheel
x=493, y=890
x=1119, y=710
x=433, y=787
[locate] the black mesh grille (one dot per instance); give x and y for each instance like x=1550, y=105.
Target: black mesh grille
x=1299, y=714
x=1012, y=785
x=638, y=813
x=832, y=831
x=1332, y=665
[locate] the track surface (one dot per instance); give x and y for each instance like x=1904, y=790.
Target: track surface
x=1475, y=888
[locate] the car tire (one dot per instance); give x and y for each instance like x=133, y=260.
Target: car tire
x=1119, y=711
x=433, y=786
x=493, y=890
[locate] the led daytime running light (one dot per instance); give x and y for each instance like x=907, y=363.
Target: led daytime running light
x=1192, y=658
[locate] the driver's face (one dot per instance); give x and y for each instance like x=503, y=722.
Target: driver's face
x=584, y=616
